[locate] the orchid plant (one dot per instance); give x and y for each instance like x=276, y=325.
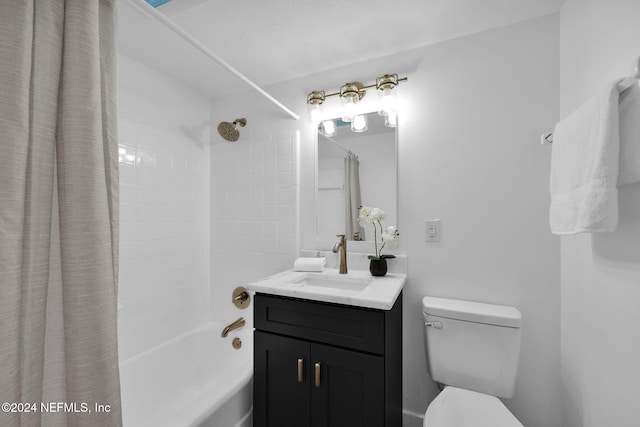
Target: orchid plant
x=374, y=216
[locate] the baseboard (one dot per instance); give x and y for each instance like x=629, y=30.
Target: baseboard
x=411, y=419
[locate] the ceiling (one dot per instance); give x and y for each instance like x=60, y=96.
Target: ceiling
x=271, y=41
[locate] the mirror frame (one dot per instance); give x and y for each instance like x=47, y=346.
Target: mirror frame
x=366, y=246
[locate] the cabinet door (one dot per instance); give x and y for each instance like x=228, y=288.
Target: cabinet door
x=281, y=385
x=350, y=390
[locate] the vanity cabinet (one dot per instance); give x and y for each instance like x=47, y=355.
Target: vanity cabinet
x=320, y=364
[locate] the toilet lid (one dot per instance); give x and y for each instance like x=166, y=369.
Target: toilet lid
x=456, y=407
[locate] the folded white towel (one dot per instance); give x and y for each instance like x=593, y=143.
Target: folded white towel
x=309, y=264
x=629, y=136
x=584, y=167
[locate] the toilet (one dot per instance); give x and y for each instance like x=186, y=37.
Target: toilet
x=473, y=350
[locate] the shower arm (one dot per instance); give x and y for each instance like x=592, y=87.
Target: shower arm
x=150, y=11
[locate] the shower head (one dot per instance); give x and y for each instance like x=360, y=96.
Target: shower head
x=229, y=131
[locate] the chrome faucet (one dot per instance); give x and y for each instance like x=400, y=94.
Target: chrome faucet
x=341, y=246
x=235, y=325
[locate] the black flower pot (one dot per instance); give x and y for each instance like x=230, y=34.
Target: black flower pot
x=378, y=267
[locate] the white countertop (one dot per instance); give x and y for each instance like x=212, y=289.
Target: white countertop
x=378, y=292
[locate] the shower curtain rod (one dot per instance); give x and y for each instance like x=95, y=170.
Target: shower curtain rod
x=337, y=144
x=153, y=13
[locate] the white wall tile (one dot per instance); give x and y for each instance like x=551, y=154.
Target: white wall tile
x=284, y=163
x=164, y=230
x=251, y=225
x=284, y=146
x=128, y=193
x=270, y=164
x=270, y=180
x=270, y=213
x=127, y=174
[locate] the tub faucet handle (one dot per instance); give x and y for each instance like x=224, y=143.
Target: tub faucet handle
x=240, y=297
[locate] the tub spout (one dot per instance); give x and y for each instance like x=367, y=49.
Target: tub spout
x=235, y=325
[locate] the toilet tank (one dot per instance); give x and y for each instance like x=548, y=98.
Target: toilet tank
x=472, y=345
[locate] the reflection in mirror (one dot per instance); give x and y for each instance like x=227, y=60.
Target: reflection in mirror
x=355, y=168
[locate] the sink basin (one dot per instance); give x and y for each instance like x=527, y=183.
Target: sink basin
x=333, y=282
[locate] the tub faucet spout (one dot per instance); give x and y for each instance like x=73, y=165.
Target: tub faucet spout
x=235, y=325
x=341, y=247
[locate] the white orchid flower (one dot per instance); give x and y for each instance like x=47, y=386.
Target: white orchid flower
x=377, y=214
x=388, y=235
x=364, y=217
x=365, y=210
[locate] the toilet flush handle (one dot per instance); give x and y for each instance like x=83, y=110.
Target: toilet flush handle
x=437, y=325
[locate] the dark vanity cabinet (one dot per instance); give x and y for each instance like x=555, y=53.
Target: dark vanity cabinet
x=320, y=364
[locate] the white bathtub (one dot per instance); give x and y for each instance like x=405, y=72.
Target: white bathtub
x=195, y=380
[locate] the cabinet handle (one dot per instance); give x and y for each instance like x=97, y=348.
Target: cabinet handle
x=317, y=374
x=300, y=370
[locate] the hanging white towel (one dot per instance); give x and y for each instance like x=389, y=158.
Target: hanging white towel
x=629, y=136
x=584, y=167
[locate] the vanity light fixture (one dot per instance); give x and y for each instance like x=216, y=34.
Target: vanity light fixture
x=350, y=96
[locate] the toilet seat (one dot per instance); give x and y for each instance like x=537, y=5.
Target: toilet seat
x=456, y=407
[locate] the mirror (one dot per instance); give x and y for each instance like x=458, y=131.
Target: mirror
x=367, y=158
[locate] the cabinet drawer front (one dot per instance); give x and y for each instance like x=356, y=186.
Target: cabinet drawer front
x=350, y=327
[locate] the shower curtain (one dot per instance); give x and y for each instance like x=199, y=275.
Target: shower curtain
x=58, y=214
x=352, y=201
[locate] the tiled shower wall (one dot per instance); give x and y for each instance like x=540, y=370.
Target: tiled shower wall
x=254, y=232
x=164, y=225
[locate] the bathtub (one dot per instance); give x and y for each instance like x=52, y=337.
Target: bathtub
x=195, y=380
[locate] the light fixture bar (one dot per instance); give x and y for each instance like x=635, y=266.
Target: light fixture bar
x=350, y=95
x=327, y=95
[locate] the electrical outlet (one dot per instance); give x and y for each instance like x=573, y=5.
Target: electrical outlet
x=431, y=230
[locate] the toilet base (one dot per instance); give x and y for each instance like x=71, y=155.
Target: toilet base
x=457, y=407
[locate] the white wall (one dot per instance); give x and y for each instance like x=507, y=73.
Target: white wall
x=600, y=272
x=472, y=116
x=164, y=209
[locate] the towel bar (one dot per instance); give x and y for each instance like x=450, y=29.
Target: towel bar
x=547, y=138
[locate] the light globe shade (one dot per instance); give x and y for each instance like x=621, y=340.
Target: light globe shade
x=359, y=123
x=387, y=93
x=314, y=106
x=329, y=128
x=387, y=101
x=391, y=120
x=349, y=98
x=348, y=109
x=315, y=113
